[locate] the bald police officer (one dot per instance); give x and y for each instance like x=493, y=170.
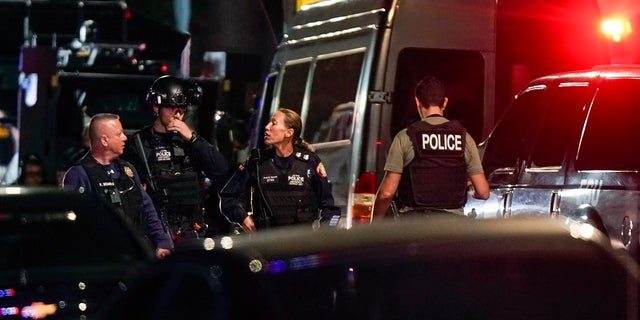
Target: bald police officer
x=431, y=163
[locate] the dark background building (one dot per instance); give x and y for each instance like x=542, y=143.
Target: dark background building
x=126, y=45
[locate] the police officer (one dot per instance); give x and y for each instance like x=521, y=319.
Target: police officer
x=101, y=172
x=175, y=159
x=430, y=162
x=287, y=182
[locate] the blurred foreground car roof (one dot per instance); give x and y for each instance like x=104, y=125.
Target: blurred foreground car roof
x=530, y=268
x=62, y=254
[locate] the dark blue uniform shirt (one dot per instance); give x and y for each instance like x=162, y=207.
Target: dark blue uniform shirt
x=76, y=178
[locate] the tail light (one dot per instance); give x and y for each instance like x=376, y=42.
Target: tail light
x=364, y=194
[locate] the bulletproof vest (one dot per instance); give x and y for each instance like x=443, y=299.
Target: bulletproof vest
x=436, y=177
x=121, y=192
x=288, y=191
x=178, y=184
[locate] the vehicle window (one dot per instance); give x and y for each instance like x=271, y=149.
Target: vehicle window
x=508, y=141
x=611, y=136
x=293, y=86
x=263, y=114
x=462, y=73
x=563, y=118
x=332, y=97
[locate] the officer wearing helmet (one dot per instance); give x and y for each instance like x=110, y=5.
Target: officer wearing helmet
x=174, y=160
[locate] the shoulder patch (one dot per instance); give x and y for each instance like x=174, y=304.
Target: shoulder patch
x=321, y=171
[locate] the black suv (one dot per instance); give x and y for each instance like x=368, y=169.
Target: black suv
x=568, y=145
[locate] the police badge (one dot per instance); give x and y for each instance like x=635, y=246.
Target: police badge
x=128, y=171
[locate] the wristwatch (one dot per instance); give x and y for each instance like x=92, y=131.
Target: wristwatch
x=194, y=136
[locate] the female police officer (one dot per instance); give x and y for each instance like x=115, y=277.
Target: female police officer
x=288, y=182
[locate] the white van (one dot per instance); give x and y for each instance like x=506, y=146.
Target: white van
x=349, y=68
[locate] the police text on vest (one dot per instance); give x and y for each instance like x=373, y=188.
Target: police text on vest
x=449, y=142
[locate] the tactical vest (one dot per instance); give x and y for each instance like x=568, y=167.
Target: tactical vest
x=289, y=193
x=437, y=176
x=178, y=184
x=122, y=192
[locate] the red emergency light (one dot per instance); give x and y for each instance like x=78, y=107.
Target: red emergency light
x=616, y=29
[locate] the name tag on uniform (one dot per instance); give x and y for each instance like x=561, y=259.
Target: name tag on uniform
x=106, y=184
x=269, y=179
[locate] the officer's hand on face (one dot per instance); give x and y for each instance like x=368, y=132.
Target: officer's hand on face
x=180, y=127
x=161, y=253
x=248, y=225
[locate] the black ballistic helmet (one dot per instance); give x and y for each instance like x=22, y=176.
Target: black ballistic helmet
x=169, y=91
